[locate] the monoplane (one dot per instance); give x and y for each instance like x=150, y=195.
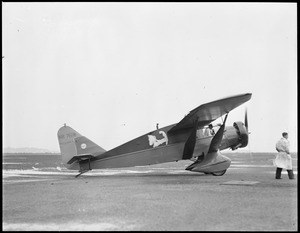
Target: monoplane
x=189, y=139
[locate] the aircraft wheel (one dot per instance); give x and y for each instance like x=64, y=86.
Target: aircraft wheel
x=221, y=173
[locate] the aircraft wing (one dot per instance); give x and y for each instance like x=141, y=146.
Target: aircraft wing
x=209, y=112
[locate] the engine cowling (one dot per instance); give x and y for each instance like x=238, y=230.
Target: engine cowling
x=242, y=132
x=235, y=136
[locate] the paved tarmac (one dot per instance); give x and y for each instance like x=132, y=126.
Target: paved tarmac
x=161, y=197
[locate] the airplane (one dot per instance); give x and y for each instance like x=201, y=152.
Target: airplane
x=181, y=141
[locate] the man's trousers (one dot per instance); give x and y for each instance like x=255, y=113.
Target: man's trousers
x=278, y=173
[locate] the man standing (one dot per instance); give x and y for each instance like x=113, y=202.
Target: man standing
x=283, y=158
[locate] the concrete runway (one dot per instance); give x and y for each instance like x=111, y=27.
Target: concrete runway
x=151, y=198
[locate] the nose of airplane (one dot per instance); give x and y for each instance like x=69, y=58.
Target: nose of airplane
x=242, y=133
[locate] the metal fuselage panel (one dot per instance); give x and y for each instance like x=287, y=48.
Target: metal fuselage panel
x=163, y=154
x=140, y=151
x=154, y=147
x=202, y=146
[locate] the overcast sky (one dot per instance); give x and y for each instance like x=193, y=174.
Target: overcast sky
x=112, y=71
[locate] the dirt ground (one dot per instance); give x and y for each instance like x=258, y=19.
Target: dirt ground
x=154, y=198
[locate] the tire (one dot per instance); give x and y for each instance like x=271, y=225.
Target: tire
x=221, y=173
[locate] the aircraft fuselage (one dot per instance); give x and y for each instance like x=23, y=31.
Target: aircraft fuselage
x=156, y=147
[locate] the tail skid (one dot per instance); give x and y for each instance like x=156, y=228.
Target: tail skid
x=82, y=160
x=81, y=172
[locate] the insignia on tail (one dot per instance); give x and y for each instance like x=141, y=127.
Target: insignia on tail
x=75, y=148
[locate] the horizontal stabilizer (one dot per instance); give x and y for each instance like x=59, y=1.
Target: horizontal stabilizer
x=80, y=158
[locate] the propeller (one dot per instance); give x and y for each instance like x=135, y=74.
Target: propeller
x=242, y=131
x=246, y=119
x=247, y=127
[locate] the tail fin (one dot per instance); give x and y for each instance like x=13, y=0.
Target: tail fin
x=74, y=146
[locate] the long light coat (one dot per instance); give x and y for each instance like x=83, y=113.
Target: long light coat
x=283, y=158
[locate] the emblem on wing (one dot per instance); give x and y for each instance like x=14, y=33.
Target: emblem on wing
x=153, y=141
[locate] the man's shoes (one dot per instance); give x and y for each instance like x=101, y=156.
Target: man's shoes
x=278, y=178
x=290, y=174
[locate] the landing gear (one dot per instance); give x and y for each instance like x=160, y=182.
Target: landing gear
x=221, y=173
x=83, y=168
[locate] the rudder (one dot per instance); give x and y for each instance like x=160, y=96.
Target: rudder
x=73, y=144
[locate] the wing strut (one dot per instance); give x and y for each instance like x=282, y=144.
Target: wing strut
x=217, y=139
x=213, y=148
x=190, y=143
